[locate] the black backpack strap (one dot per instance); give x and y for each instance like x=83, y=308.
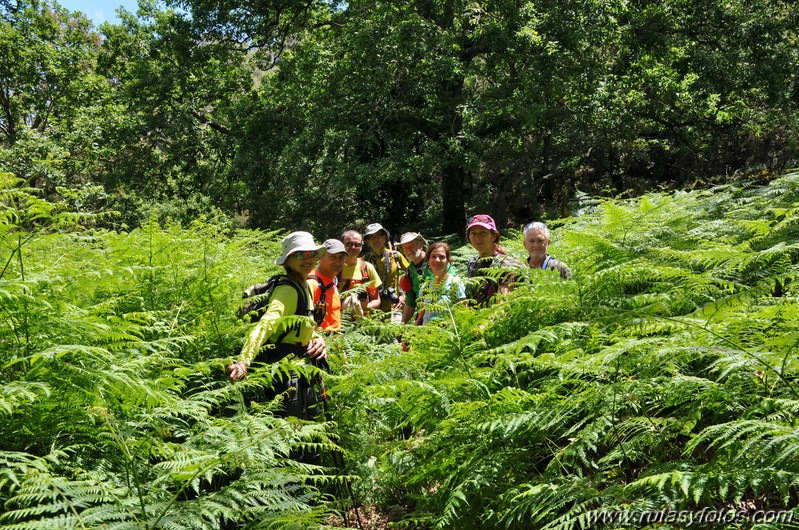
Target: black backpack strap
x=346, y=285
x=302, y=303
x=386, y=264
x=324, y=287
x=303, y=308
x=471, y=267
x=318, y=280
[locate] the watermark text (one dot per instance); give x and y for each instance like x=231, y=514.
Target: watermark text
x=688, y=517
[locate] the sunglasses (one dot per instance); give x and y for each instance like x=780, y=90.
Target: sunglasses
x=353, y=245
x=304, y=254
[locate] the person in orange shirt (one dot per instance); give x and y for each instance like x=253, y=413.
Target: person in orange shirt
x=325, y=279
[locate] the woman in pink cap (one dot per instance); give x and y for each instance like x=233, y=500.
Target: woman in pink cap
x=482, y=234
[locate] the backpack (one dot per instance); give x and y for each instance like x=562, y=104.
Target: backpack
x=256, y=298
x=483, y=290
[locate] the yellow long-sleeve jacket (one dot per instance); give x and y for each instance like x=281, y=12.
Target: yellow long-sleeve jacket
x=279, y=318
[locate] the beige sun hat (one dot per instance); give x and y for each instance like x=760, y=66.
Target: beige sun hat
x=299, y=242
x=374, y=228
x=407, y=237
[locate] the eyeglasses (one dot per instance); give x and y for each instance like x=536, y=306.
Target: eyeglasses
x=353, y=245
x=303, y=254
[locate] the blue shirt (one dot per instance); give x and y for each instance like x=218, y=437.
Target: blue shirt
x=448, y=292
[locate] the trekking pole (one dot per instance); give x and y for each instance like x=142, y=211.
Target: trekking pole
x=338, y=458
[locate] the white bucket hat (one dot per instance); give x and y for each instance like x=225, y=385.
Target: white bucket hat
x=407, y=237
x=375, y=228
x=299, y=242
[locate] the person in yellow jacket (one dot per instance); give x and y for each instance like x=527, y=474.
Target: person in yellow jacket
x=359, y=283
x=389, y=264
x=276, y=335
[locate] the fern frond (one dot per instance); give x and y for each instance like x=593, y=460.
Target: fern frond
x=14, y=393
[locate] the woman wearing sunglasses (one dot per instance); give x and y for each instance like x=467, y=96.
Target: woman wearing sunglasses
x=482, y=234
x=275, y=336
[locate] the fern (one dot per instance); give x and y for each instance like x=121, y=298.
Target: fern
x=594, y=388
x=114, y=391
x=662, y=376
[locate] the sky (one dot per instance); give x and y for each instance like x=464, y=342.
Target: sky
x=99, y=11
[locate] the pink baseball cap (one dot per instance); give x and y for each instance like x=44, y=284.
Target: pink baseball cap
x=486, y=221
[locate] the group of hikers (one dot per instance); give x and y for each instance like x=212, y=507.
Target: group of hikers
x=363, y=273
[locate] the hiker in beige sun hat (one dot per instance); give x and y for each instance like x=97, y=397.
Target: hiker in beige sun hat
x=300, y=242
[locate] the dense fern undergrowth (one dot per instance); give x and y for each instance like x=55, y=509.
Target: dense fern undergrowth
x=662, y=379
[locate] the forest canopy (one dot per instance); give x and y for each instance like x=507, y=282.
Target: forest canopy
x=322, y=115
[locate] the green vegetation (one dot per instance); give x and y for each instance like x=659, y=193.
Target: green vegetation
x=316, y=113
x=149, y=169
x=663, y=377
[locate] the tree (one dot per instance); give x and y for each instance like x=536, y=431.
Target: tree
x=50, y=97
x=698, y=89
x=46, y=66
x=324, y=115
x=183, y=98
x=376, y=97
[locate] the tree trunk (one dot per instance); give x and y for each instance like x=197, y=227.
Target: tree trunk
x=453, y=172
x=453, y=210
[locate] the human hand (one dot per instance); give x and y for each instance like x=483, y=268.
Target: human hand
x=317, y=349
x=237, y=371
x=401, y=303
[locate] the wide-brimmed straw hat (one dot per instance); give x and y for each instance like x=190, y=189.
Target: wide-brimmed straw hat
x=300, y=242
x=407, y=237
x=374, y=228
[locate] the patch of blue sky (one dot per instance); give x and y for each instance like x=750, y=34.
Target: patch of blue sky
x=99, y=11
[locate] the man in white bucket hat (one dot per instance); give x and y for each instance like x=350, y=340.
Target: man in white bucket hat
x=412, y=244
